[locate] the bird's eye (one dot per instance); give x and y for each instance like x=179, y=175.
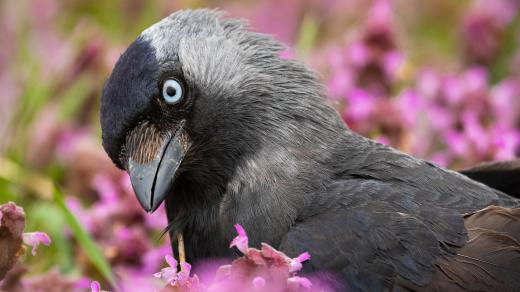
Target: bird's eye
x=172, y=91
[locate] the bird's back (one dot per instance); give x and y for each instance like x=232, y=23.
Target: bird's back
x=388, y=220
x=432, y=184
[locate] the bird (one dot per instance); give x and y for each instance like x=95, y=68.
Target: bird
x=204, y=114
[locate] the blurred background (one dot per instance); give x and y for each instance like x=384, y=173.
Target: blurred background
x=437, y=79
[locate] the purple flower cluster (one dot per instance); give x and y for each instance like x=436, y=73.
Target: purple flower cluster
x=456, y=119
x=264, y=269
x=12, y=225
x=467, y=120
x=370, y=61
x=484, y=27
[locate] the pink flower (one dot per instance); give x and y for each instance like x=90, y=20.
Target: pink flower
x=483, y=26
x=241, y=241
x=475, y=79
x=502, y=12
x=265, y=269
x=360, y=104
x=68, y=141
x=456, y=142
x=35, y=238
x=153, y=257
x=359, y=54
x=453, y=90
x=506, y=142
x=94, y=286
x=428, y=83
x=106, y=188
x=442, y=117
x=171, y=275
x=409, y=104
x=380, y=14
x=504, y=101
x=184, y=275
x=81, y=214
x=258, y=283
x=392, y=62
x=168, y=274
x=82, y=284
x=297, y=282
x=296, y=263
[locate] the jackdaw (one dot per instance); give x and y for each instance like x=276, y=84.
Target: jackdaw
x=205, y=115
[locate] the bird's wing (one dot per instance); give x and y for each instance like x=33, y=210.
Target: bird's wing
x=490, y=260
x=377, y=235
x=501, y=175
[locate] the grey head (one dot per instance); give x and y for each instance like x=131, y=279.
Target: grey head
x=196, y=94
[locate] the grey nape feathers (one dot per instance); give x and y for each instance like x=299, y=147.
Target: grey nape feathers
x=205, y=115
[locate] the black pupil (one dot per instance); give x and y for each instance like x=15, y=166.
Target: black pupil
x=171, y=91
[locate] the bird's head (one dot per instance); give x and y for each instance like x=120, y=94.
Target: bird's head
x=196, y=94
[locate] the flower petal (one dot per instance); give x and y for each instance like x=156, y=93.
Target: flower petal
x=296, y=263
x=241, y=241
x=172, y=262
x=240, y=230
x=304, y=257
x=258, y=282
x=95, y=286
x=300, y=282
x=35, y=238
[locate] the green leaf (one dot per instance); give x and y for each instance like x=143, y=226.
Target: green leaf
x=85, y=241
x=6, y=191
x=74, y=98
x=509, y=45
x=307, y=36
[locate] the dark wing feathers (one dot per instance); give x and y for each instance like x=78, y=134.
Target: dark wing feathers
x=490, y=260
x=379, y=233
x=367, y=249
x=445, y=188
x=385, y=236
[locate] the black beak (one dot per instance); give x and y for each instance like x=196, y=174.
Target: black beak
x=152, y=181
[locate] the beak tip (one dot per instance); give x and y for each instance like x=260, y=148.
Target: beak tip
x=151, y=210
x=146, y=203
